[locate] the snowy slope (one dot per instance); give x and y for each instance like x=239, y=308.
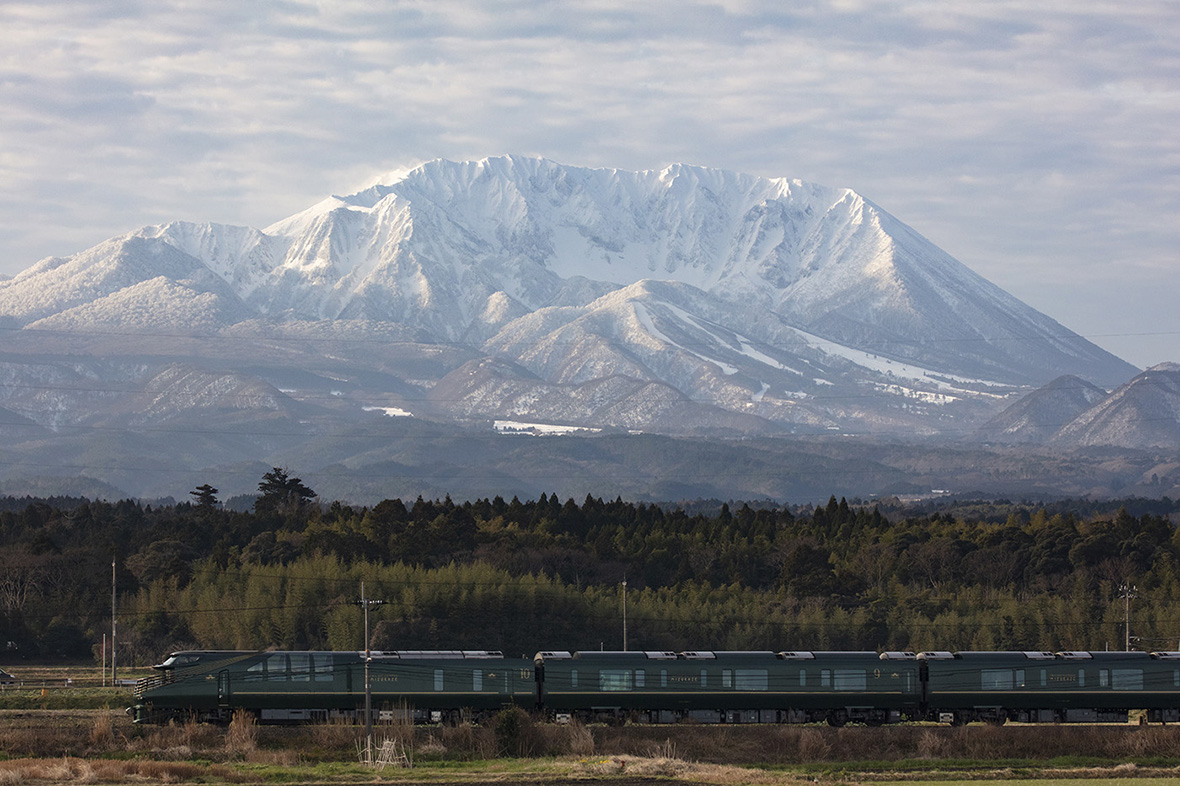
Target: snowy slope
x=1042, y=413
x=1144, y=413
x=434, y=246
x=679, y=299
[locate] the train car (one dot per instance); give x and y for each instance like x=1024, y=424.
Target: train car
x=1049, y=687
x=728, y=687
x=277, y=687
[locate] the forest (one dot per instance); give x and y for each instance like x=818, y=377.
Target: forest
x=523, y=576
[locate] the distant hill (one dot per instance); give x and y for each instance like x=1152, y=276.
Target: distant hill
x=1144, y=413
x=1043, y=412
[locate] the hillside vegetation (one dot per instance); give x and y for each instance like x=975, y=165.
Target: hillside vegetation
x=546, y=574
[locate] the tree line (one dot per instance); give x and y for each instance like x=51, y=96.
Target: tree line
x=520, y=576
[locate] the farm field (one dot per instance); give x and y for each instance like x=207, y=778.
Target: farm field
x=103, y=746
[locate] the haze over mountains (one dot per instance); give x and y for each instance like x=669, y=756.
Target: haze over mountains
x=684, y=302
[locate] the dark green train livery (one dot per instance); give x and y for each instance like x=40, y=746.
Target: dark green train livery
x=285, y=687
x=729, y=687
x=666, y=687
x=1048, y=687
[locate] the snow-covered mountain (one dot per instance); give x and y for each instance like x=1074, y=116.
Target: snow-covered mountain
x=1043, y=412
x=1144, y=413
x=686, y=300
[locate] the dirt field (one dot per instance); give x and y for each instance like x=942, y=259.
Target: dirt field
x=103, y=746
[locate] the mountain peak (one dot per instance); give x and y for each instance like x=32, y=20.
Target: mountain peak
x=750, y=291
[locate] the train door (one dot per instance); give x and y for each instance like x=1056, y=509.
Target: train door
x=223, y=695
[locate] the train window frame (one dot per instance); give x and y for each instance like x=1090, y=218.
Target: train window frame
x=997, y=679
x=323, y=666
x=477, y=680
x=1126, y=679
x=1020, y=678
x=751, y=679
x=1044, y=678
x=280, y=673
x=704, y=678
x=573, y=678
x=1104, y=678
x=727, y=679
x=663, y=678
x=1176, y=678
x=640, y=678
x=802, y=678
x=615, y=680
x=1081, y=678
x=850, y=680
x=438, y=679
x=299, y=666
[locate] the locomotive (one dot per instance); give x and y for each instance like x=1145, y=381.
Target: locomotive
x=449, y=686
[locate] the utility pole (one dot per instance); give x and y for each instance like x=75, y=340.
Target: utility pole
x=365, y=604
x=114, y=624
x=1128, y=592
x=624, y=614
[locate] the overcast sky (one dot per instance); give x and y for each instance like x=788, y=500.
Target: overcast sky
x=1038, y=141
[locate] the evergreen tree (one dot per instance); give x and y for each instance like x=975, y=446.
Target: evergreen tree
x=205, y=496
x=282, y=494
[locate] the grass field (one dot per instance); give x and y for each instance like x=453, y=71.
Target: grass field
x=103, y=746
x=60, y=725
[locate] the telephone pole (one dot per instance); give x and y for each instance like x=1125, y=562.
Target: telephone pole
x=624, y=615
x=1128, y=592
x=114, y=625
x=365, y=603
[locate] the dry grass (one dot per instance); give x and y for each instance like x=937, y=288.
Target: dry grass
x=61, y=739
x=241, y=738
x=72, y=770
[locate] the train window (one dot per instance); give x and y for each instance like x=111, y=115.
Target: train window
x=825, y=678
x=996, y=679
x=751, y=679
x=850, y=679
x=276, y=667
x=1176, y=678
x=1126, y=679
x=802, y=678
x=323, y=666
x=573, y=678
x=663, y=678
x=477, y=679
x=1044, y=678
x=438, y=679
x=704, y=678
x=256, y=671
x=1081, y=678
x=300, y=667
x=1020, y=678
x=727, y=678
x=1104, y=678
x=614, y=679
x=640, y=678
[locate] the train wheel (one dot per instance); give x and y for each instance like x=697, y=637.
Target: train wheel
x=836, y=720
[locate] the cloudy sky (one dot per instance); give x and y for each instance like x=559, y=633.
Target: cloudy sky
x=1036, y=140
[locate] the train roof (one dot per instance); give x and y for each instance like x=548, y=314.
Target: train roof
x=183, y=658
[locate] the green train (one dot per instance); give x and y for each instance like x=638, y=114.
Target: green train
x=449, y=686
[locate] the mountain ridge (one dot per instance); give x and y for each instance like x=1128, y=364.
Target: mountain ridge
x=686, y=301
